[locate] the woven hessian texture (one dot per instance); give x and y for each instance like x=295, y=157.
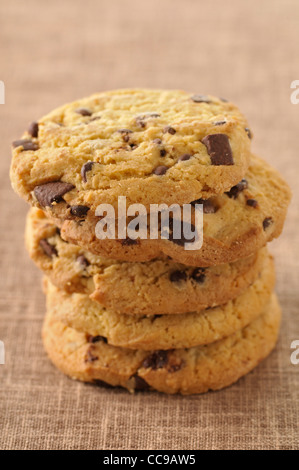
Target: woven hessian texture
x=56, y=52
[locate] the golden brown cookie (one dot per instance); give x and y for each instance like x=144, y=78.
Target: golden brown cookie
x=235, y=225
x=185, y=371
x=159, y=286
x=162, y=331
x=148, y=145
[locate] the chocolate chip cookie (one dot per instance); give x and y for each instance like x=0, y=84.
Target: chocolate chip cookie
x=148, y=145
x=162, y=331
x=235, y=224
x=185, y=371
x=160, y=286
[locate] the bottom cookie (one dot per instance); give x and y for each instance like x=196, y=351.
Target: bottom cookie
x=185, y=371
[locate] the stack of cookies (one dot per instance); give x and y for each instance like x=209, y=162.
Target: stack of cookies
x=142, y=312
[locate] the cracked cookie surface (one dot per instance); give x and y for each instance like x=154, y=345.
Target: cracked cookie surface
x=148, y=145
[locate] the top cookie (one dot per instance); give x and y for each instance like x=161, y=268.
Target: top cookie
x=152, y=146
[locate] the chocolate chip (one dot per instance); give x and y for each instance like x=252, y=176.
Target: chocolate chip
x=185, y=157
x=47, y=248
x=58, y=231
x=141, y=120
x=209, y=207
x=249, y=133
x=95, y=118
x=175, y=367
x=27, y=144
x=33, y=129
x=90, y=357
x=140, y=383
x=198, y=275
x=180, y=241
x=200, y=99
x=85, y=169
x=162, y=150
x=169, y=130
x=177, y=276
x=133, y=146
x=156, y=360
x=96, y=339
x=79, y=211
x=237, y=189
x=83, y=261
x=219, y=149
x=267, y=222
x=160, y=170
x=125, y=134
x=83, y=111
x=252, y=203
x=125, y=131
x=48, y=193
x=129, y=242
x=219, y=123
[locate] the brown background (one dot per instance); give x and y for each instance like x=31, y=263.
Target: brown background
x=53, y=52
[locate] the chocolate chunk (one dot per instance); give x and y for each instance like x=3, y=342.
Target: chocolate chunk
x=252, y=203
x=209, y=207
x=27, y=144
x=160, y=170
x=83, y=261
x=180, y=241
x=85, y=169
x=33, y=129
x=162, y=150
x=177, y=276
x=133, y=146
x=58, y=231
x=198, y=275
x=47, y=248
x=125, y=134
x=96, y=339
x=83, y=111
x=90, y=357
x=129, y=242
x=95, y=118
x=156, y=360
x=169, y=130
x=175, y=367
x=48, y=193
x=219, y=149
x=237, y=189
x=141, y=120
x=140, y=383
x=249, y=133
x=200, y=99
x=219, y=123
x=267, y=222
x=79, y=211
x=185, y=157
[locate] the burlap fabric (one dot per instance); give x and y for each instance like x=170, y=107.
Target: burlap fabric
x=57, y=51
